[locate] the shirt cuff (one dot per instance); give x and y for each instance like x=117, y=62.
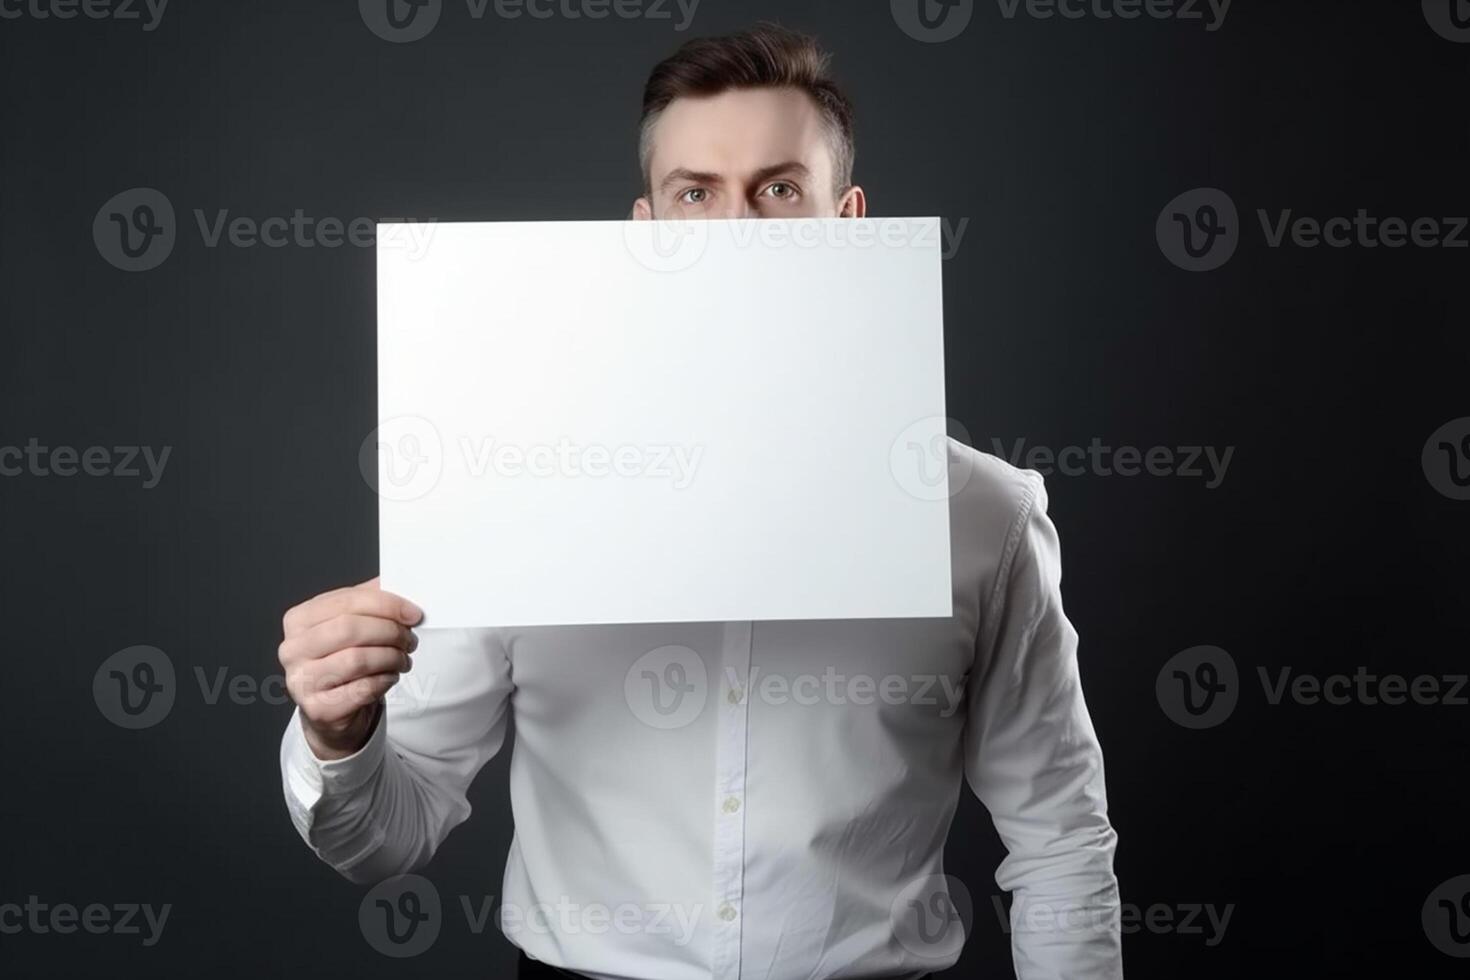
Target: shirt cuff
x=309, y=779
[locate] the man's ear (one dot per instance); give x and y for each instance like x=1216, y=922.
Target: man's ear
x=642, y=210
x=853, y=204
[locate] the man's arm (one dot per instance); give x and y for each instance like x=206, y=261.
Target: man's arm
x=1032, y=757
x=385, y=808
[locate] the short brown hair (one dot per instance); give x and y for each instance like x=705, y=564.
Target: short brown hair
x=768, y=56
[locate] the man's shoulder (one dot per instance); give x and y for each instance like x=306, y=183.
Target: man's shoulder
x=990, y=504
x=986, y=488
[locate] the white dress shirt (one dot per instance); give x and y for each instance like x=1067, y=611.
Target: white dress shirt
x=760, y=800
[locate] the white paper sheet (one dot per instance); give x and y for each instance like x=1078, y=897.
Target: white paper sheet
x=614, y=422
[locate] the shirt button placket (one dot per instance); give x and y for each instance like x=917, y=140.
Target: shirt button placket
x=729, y=809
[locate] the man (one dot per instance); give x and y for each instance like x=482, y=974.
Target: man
x=760, y=832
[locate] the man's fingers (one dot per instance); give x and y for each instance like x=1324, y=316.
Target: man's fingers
x=348, y=665
x=337, y=704
x=342, y=651
x=343, y=632
x=342, y=670
x=356, y=601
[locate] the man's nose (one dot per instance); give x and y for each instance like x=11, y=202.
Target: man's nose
x=734, y=209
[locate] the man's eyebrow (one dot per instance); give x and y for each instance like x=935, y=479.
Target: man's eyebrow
x=681, y=175
x=793, y=167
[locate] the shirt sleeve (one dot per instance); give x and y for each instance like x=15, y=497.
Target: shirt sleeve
x=386, y=809
x=1032, y=757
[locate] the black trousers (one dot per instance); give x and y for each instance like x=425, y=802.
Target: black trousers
x=529, y=969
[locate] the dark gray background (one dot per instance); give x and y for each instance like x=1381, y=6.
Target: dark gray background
x=1325, y=548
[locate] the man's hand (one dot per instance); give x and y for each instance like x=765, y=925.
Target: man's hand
x=342, y=651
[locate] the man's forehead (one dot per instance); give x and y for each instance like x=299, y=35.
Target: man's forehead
x=740, y=132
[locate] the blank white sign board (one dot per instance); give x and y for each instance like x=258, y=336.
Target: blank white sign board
x=624, y=422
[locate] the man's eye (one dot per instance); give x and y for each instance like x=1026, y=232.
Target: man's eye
x=694, y=195
x=781, y=190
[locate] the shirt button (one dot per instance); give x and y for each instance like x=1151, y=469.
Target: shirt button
x=727, y=912
x=734, y=695
x=732, y=803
